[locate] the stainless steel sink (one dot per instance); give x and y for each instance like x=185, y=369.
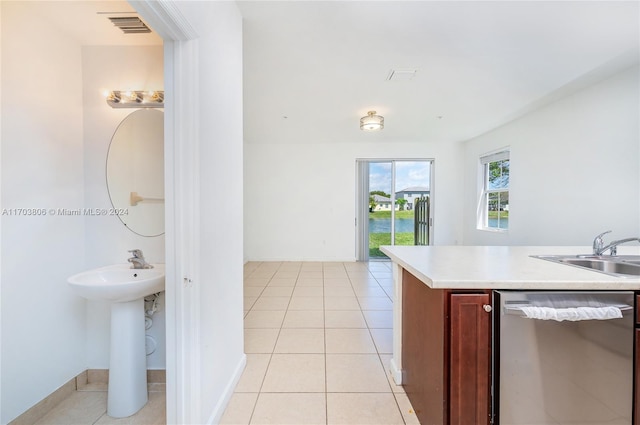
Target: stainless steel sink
x=622, y=266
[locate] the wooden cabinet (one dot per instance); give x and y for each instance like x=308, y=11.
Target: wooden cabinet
x=636, y=381
x=636, y=366
x=446, y=353
x=423, y=360
x=469, y=359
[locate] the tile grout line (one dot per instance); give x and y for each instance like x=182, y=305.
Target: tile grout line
x=324, y=320
x=274, y=346
x=326, y=381
x=395, y=398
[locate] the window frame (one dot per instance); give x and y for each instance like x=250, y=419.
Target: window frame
x=484, y=192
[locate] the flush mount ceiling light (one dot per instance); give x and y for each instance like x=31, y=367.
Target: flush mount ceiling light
x=372, y=122
x=135, y=99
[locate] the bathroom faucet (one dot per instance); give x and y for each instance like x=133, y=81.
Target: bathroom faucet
x=599, y=248
x=138, y=261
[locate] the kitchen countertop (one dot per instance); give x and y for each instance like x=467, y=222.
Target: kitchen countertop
x=505, y=267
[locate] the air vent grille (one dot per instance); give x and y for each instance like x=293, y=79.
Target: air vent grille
x=130, y=24
x=401, y=74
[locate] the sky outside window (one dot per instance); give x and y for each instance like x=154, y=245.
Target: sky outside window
x=408, y=174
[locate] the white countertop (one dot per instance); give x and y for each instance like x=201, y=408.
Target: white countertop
x=505, y=267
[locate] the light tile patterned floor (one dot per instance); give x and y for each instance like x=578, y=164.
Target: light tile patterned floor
x=90, y=407
x=318, y=341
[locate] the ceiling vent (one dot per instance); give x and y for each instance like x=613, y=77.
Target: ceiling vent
x=401, y=74
x=130, y=24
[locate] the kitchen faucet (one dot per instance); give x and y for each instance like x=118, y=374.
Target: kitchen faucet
x=138, y=261
x=599, y=248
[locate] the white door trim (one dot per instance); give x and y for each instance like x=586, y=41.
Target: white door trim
x=181, y=210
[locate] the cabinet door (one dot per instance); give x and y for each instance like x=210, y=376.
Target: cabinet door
x=636, y=404
x=469, y=361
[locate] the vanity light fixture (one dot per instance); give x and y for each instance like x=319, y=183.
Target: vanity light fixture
x=135, y=99
x=372, y=122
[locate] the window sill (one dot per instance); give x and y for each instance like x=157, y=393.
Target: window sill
x=493, y=230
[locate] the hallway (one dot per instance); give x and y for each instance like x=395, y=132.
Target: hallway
x=318, y=338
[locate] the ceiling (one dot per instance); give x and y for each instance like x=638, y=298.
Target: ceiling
x=87, y=21
x=312, y=69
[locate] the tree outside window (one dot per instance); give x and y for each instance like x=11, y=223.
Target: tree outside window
x=494, y=214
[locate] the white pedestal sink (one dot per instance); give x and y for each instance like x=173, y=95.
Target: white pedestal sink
x=125, y=288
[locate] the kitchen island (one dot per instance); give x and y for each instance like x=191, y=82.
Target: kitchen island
x=442, y=321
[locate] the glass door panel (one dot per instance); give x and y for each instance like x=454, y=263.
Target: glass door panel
x=412, y=182
x=389, y=193
x=380, y=207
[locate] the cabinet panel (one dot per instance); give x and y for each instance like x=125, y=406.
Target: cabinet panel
x=469, y=359
x=636, y=401
x=446, y=344
x=423, y=358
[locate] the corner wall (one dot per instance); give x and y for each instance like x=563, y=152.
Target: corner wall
x=575, y=168
x=42, y=168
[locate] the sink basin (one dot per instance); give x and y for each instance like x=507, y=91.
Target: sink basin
x=622, y=266
x=125, y=288
x=607, y=266
x=118, y=283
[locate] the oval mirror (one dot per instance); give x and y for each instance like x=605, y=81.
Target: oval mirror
x=135, y=172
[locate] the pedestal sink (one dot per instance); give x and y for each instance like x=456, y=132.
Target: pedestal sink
x=125, y=288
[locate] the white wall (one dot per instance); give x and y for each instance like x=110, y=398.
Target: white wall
x=219, y=265
x=43, y=331
x=107, y=239
x=54, y=146
x=300, y=200
x=575, y=169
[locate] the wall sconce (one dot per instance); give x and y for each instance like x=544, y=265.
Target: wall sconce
x=135, y=99
x=372, y=122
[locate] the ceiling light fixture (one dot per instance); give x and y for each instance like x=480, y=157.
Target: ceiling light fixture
x=372, y=122
x=135, y=99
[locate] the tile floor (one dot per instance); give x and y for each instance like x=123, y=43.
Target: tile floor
x=318, y=338
x=89, y=407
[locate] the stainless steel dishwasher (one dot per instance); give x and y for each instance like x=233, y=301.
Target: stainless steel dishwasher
x=562, y=372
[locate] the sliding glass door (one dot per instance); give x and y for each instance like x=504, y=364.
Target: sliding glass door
x=390, y=191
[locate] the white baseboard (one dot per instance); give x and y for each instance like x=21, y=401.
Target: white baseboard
x=395, y=372
x=302, y=259
x=218, y=411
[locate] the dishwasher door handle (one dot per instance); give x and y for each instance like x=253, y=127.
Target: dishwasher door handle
x=515, y=310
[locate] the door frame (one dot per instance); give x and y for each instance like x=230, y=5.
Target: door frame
x=181, y=207
x=362, y=201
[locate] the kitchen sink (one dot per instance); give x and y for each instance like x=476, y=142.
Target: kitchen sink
x=622, y=266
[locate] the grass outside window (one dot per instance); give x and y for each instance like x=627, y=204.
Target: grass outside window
x=378, y=239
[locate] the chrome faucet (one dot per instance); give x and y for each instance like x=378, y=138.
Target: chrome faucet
x=599, y=248
x=138, y=261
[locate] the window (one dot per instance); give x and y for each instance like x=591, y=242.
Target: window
x=494, y=199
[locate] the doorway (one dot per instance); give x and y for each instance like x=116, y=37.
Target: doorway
x=389, y=192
